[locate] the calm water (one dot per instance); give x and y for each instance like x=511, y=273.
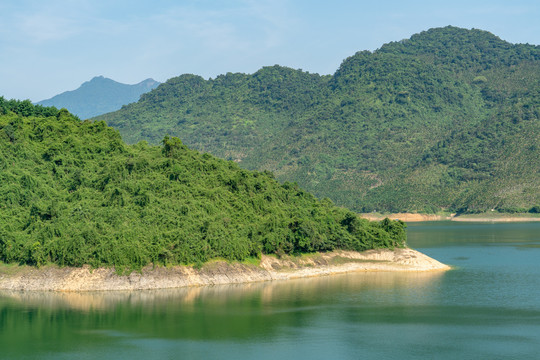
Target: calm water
x=487, y=308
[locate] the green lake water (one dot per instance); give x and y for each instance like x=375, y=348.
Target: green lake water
x=487, y=308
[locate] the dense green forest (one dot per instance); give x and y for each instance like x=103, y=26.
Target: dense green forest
x=446, y=120
x=99, y=96
x=73, y=193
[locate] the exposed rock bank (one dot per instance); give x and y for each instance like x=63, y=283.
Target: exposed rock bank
x=219, y=272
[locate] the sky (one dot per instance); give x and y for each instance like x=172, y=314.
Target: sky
x=48, y=47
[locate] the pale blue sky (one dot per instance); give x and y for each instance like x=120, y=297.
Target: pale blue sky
x=47, y=47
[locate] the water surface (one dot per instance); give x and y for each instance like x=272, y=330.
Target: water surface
x=487, y=308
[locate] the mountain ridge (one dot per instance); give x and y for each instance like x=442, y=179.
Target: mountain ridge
x=447, y=120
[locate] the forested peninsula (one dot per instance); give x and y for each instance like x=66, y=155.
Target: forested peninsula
x=447, y=120
x=73, y=194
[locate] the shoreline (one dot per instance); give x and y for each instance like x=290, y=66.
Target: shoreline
x=484, y=217
x=51, y=278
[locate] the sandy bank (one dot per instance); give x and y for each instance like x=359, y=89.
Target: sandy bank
x=219, y=272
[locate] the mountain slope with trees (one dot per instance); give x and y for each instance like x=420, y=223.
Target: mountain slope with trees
x=99, y=96
x=73, y=193
x=446, y=120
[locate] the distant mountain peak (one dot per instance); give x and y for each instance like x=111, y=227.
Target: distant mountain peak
x=149, y=83
x=99, y=95
x=97, y=80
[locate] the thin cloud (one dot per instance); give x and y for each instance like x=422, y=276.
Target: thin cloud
x=49, y=46
x=41, y=22
x=42, y=28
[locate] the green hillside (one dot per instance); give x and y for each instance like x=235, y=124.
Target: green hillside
x=73, y=193
x=445, y=120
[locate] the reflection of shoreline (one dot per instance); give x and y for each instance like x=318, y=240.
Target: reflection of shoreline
x=268, y=292
x=214, y=273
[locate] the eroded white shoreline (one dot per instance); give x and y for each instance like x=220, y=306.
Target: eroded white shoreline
x=220, y=272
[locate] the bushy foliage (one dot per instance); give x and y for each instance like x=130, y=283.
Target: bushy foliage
x=25, y=108
x=445, y=120
x=74, y=193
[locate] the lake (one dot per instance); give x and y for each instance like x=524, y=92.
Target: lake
x=488, y=307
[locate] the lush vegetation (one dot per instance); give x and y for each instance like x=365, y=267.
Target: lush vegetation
x=445, y=120
x=74, y=193
x=99, y=96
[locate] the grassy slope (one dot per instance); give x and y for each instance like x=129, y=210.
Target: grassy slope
x=447, y=120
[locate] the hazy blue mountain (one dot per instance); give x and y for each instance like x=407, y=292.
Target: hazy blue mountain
x=99, y=96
